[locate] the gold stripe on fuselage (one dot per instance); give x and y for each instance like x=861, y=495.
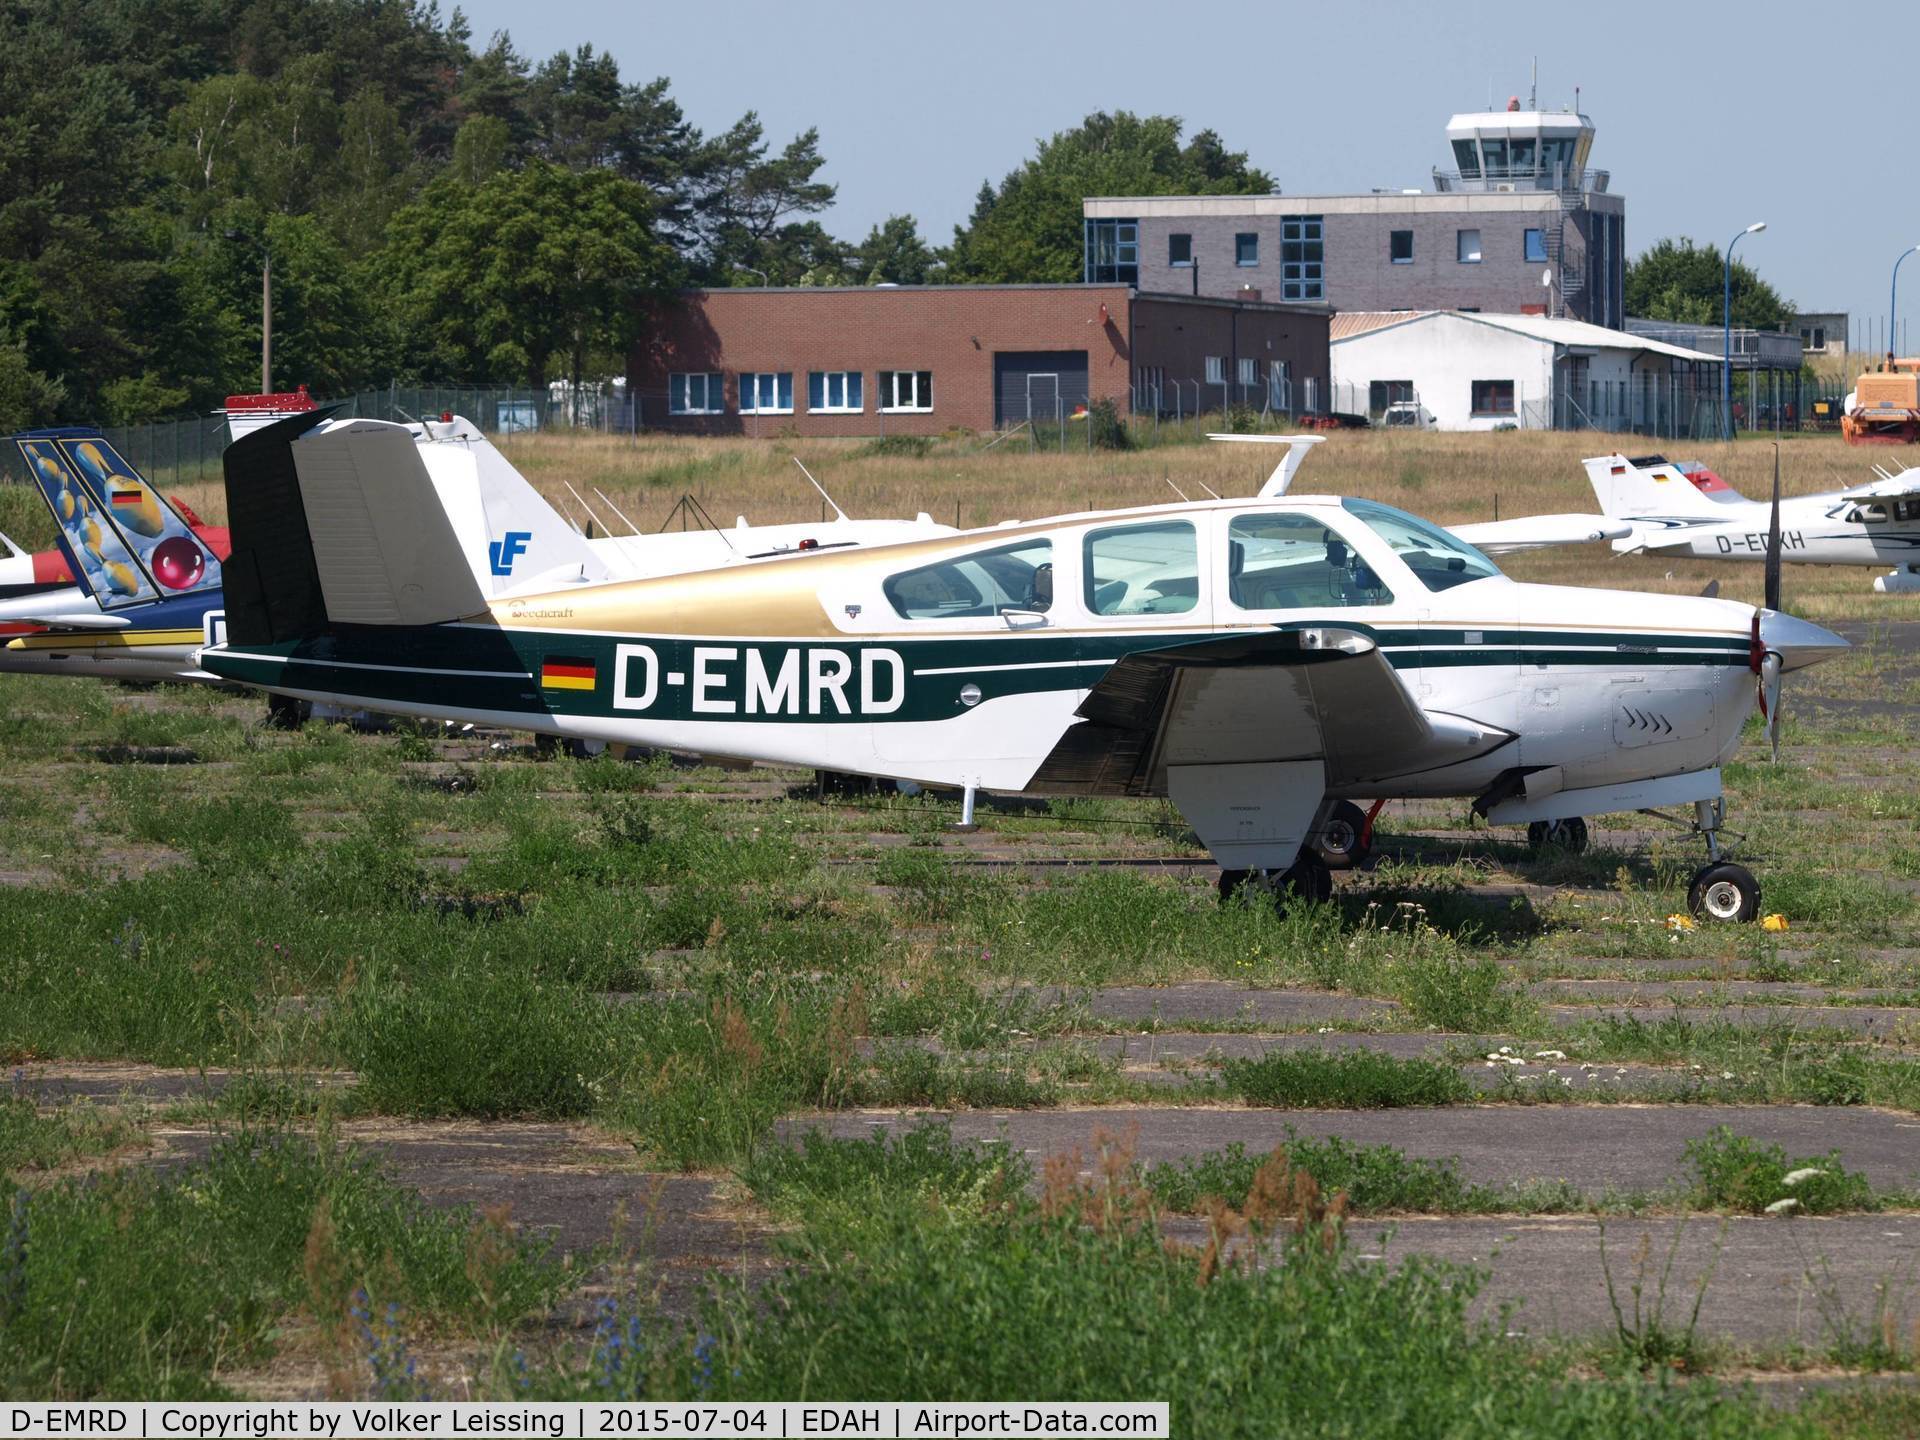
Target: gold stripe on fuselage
x=105, y=639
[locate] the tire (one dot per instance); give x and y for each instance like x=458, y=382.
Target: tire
x=286, y=713
x=1726, y=893
x=1308, y=879
x=1338, y=843
x=1569, y=835
x=1230, y=883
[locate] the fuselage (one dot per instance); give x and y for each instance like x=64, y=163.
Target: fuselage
x=1814, y=530
x=964, y=659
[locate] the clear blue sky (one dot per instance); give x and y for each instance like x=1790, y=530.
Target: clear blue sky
x=1708, y=115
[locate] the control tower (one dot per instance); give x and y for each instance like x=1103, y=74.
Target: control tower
x=1514, y=149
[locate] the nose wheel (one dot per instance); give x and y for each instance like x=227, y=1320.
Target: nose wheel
x=1721, y=890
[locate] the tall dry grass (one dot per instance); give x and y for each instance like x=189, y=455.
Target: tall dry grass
x=1452, y=478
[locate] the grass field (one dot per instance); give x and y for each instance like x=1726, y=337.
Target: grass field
x=487, y=1075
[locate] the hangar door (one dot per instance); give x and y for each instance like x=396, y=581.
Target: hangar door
x=1043, y=385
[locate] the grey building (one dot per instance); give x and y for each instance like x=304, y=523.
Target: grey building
x=1822, y=332
x=1520, y=225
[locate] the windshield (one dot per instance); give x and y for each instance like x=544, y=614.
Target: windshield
x=1438, y=560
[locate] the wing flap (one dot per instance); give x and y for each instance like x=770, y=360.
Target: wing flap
x=1539, y=532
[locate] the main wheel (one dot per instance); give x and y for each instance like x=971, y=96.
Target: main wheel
x=1569, y=835
x=1724, y=892
x=1230, y=883
x=1338, y=842
x=286, y=713
x=1308, y=879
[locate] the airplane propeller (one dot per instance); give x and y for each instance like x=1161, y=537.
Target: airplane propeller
x=1767, y=664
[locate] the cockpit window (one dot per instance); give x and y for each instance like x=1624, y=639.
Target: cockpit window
x=988, y=582
x=1287, y=562
x=1867, y=515
x=1143, y=569
x=1438, y=560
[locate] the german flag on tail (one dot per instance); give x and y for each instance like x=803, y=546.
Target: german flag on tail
x=128, y=495
x=565, y=672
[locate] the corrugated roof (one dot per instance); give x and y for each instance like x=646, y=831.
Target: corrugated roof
x=1575, y=333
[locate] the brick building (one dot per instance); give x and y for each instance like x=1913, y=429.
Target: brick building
x=922, y=359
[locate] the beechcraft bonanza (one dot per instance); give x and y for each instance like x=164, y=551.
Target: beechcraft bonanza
x=1683, y=508
x=1257, y=661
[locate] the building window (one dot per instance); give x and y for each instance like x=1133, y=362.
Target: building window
x=1468, y=243
x=1216, y=369
x=1113, y=252
x=1536, y=246
x=1400, y=246
x=696, y=393
x=1302, y=258
x=1179, y=249
x=1493, y=397
x=1819, y=337
x=834, y=392
x=1249, y=372
x=767, y=393
x=1246, y=249
x=1383, y=393
x=906, y=390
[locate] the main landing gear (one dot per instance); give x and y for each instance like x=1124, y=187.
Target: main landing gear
x=1720, y=890
x=1345, y=838
x=1569, y=835
x=1308, y=879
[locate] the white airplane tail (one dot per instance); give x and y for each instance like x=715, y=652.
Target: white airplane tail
x=513, y=538
x=1653, y=486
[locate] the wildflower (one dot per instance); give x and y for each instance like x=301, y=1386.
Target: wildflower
x=703, y=1363
x=1800, y=1176
x=1549, y=1055
x=1783, y=1207
x=1726, y=1074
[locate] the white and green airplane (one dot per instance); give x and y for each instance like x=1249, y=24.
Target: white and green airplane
x=1261, y=662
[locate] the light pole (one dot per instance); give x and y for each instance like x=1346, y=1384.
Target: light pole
x=266, y=310
x=1893, y=298
x=1726, y=311
x=751, y=271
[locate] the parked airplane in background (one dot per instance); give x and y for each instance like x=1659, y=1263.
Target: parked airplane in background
x=146, y=595
x=1257, y=661
x=1683, y=508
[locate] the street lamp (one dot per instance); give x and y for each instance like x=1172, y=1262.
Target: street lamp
x=266, y=310
x=751, y=271
x=1726, y=310
x=1893, y=311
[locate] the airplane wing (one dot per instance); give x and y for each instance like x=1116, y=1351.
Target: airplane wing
x=1246, y=734
x=1538, y=532
x=74, y=620
x=1257, y=697
x=1888, y=487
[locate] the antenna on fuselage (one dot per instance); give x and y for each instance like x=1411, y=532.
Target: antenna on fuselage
x=635, y=529
x=1175, y=488
x=1208, y=488
x=838, y=513
x=1282, y=476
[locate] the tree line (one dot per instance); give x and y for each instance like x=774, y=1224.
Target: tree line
x=433, y=207
x=440, y=209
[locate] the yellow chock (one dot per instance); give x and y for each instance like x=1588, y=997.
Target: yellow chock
x=1775, y=922
x=1679, y=922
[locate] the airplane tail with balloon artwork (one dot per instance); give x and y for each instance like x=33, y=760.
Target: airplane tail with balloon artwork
x=125, y=543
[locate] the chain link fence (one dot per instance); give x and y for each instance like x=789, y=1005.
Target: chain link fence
x=184, y=452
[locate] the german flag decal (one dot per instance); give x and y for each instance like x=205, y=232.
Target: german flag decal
x=564, y=672
x=128, y=495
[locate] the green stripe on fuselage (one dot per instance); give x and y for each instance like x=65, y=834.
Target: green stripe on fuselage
x=481, y=668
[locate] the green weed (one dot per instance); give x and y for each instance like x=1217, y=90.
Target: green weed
x=1346, y=1079
x=1736, y=1172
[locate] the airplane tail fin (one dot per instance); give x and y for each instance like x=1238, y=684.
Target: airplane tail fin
x=514, y=538
x=1654, y=486
x=339, y=522
x=124, y=542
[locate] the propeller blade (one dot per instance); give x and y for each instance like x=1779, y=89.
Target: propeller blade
x=1769, y=683
x=1773, y=537
x=1713, y=589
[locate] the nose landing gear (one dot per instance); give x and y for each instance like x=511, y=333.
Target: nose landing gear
x=1308, y=879
x=1721, y=890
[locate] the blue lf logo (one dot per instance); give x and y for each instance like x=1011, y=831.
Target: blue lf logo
x=504, y=551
